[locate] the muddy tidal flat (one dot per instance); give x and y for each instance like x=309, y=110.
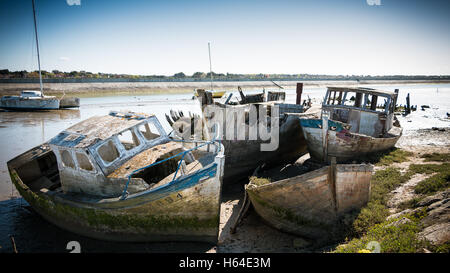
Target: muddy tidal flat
x=424, y=131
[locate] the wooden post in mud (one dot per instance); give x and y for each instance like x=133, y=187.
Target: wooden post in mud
x=325, y=136
x=408, y=106
x=395, y=100
x=299, y=93
x=332, y=178
x=205, y=97
x=243, y=98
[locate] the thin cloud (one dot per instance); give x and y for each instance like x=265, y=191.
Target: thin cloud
x=73, y=2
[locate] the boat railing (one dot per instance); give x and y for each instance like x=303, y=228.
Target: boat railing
x=182, y=154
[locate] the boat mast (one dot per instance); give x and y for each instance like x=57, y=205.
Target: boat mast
x=210, y=67
x=37, y=48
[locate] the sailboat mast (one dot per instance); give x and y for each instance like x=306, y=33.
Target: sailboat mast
x=37, y=48
x=210, y=67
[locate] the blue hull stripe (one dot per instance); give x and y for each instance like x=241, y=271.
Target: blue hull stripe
x=317, y=123
x=175, y=186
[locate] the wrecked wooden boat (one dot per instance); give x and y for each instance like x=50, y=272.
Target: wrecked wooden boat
x=310, y=204
x=244, y=154
x=352, y=125
x=215, y=94
x=69, y=102
x=120, y=177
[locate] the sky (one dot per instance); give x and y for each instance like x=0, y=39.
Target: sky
x=144, y=37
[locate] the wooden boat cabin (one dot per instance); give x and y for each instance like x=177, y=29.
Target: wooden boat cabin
x=359, y=107
x=354, y=122
x=92, y=153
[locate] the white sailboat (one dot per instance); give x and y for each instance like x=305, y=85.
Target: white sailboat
x=31, y=99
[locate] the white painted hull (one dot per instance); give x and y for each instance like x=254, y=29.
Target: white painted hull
x=18, y=103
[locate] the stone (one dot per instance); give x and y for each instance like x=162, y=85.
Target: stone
x=398, y=214
x=434, y=198
x=438, y=212
x=436, y=234
x=399, y=222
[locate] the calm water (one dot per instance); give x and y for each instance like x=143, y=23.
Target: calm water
x=20, y=131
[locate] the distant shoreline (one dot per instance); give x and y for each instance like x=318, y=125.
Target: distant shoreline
x=118, y=88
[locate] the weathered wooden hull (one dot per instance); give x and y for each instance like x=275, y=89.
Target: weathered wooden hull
x=16, y=103
x=187, y=209
x=242, y=157
x=69, y=103
x=216, y=94
x=311, y=204
x=341, y=143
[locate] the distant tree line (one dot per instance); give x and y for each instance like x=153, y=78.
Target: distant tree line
x=55, y=74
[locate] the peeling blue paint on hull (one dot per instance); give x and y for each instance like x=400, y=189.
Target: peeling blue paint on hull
x=186, y=209
x=343, y=144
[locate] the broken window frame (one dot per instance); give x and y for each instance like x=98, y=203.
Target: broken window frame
x=115, y=142
x=145, y=124
x=63, y=161
x=134, y=135
x=84, y=153
x=340, y=96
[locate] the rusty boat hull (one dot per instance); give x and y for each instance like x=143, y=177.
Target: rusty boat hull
x=311, y=204
x=341, y=143
x=186, y=209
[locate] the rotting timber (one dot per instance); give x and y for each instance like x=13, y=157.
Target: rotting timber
x=244, y=155
x=310, y=203
x=352, y=125
x=121, y=178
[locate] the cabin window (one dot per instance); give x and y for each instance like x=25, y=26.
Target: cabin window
x=335, y=97
x=349, y=99
x=84, y=162
x=149, y=130
x=67, y=159
x=108, y=151
x=366, y=101
x=128, y=139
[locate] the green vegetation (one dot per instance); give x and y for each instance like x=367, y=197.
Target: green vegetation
x=437, y=182
x=371, y=224
x=411, y=203
x=444, y=248
x=393, y=236
x=201, y=76
x=386, y=158
x=259, y=181
x=382, y=183
x=429, y=168
x=396, y=155
x=445, y=157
